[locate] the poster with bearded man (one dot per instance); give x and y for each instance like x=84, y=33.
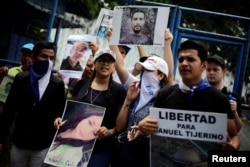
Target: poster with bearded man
x=139, y=25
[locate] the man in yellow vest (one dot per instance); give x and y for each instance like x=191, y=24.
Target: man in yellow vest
x=25, y=57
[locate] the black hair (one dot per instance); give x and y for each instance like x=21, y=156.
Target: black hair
x=42, y=45
x=189, y=44
x=72, y=123
x=137, y=10
x=164, y=80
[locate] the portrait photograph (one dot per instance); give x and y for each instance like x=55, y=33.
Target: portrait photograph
x=104, y=19
x=139, y=25
x=75, y=139
x=76, y=56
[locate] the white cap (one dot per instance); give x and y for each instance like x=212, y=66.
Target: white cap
x=104, y=51
x=154, y=63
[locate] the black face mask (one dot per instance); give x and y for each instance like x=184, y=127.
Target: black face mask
x=37, y=71
x=40, y=67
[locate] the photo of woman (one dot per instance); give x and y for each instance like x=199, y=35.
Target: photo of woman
x=75, y=138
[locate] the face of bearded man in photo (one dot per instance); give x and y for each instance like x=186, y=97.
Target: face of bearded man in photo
x=138, y=21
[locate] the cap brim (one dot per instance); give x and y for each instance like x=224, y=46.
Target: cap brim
x=144, y=65
x=142, y=59
x=106, y=54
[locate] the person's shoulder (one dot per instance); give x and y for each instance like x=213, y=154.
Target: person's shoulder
x=23, y=74
x=56, y=79
x=227, y=92
x=169, y=88
x=117, y=85
x=214, y=93
x=14, y=70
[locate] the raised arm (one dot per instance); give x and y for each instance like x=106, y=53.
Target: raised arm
x=237, y=119
x=168, y=56
x=122, y=118
x=141, y=51
x=120, y=67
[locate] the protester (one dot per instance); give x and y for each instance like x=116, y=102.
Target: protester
x=87, y=74
x=26, y=60
x=195, y=94
x=154, y=72
x=36, y=98
x=215, y=71
x=25, y=57
x=102, y=91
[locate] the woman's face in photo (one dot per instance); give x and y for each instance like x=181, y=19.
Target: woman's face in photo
x=86, y=129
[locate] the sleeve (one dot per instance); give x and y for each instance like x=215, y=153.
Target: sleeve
x=61, y=99
x=9, y=110
x=227, y=108
x=130, y=79
x=158, y=99
x=239, y=103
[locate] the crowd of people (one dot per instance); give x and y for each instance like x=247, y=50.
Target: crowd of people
x=35, y=104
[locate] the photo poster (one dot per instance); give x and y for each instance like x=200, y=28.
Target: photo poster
x=103, y=22
x=79, y=52
x=5, y=87
x=139, y=30
x=185, y=137
x=75, y=139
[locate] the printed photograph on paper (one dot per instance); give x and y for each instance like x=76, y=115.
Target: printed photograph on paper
x=185, y=137
x=75, y=139
x=103, y=22
x=5, y=87
x=139, y=25
x=104, y=26
x=76, y=56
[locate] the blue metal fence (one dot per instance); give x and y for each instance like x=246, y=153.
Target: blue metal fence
x=179, y=32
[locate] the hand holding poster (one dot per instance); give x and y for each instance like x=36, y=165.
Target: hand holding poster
x=139, y=25
x=74, y=141
x=185, y=137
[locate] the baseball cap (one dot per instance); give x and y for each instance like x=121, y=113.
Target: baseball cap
x=27, y=46
x=125, y=47
x=103, y=52
x=143, y=58
x=217, y=59
x=153, y=63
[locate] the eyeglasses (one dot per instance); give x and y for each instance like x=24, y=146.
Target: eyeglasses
x=108, y=61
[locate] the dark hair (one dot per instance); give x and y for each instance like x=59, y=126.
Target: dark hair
x=137, y=10
x=164, y=80
x=72, y=123
x=189, y=44
x=42, y=45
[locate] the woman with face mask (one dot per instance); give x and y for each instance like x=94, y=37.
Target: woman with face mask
x=155, y=74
